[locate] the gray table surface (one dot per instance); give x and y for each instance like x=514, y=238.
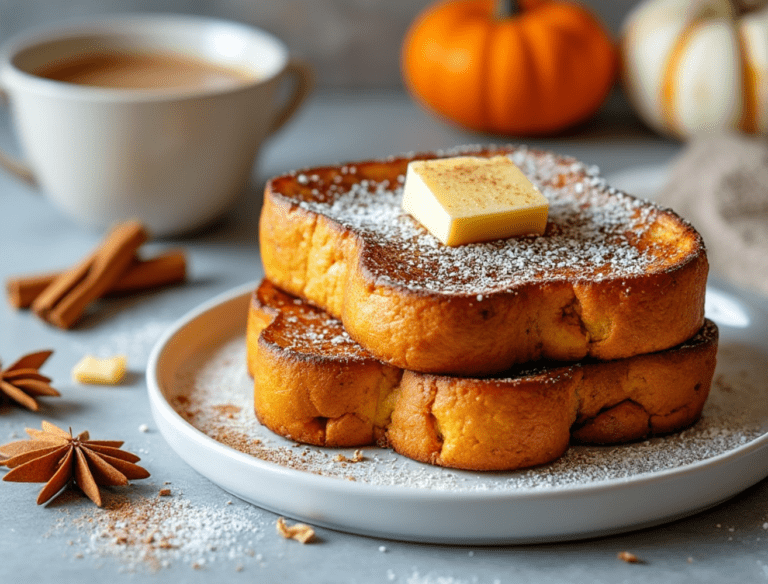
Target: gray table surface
x=724, y=544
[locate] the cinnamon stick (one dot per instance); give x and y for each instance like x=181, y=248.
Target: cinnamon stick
x=22, y=290
x=62, y=303
x=167, y=268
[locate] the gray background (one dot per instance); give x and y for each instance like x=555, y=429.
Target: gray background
x=351, y=43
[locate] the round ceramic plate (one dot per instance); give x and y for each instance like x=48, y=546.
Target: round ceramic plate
x=201, y=398
x=644, y=182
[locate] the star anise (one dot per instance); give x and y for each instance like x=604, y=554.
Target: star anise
x=22, y=382
x=57, y=458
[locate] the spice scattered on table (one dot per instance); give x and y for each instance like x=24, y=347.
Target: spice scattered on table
x=151, y=533
x=57, y=458
x=22, y=383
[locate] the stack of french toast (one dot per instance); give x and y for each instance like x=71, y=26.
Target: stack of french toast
x=485, y=356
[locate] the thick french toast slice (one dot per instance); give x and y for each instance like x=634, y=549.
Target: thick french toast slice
x=314, y=384
x=612, y=277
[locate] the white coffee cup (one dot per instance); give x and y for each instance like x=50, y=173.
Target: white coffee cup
x=173, y=158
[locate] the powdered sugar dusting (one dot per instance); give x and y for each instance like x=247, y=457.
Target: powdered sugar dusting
x=155, y=532
x=214, y=393
x=319, y=334
x=593, y=232
x=300, y=330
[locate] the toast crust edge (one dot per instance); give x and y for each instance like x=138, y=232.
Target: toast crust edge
x=473, y=424
x=311, y=256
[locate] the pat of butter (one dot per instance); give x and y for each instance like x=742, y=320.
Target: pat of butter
x=107, y=371
x=471, y=199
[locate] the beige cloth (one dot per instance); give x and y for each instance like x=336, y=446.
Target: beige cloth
x=720, y=185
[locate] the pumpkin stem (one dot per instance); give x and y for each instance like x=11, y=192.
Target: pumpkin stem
x=747, y=6
x=506, y=8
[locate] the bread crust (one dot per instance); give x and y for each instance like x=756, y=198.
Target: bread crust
x=584, y=309
x=314, y=384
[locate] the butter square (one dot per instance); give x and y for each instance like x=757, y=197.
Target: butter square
x=106, y=371
x=470, y=199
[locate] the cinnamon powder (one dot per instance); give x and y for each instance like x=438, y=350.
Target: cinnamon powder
x=144, y=531
x=151, y=533
x=213, y=392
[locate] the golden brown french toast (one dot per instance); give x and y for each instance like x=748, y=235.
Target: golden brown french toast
x=612, y=277
x=314, y=384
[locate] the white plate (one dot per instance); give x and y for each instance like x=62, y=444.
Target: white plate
x=644, y=182
x=592, y=491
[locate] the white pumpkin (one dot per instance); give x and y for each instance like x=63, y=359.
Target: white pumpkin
x=698, y=66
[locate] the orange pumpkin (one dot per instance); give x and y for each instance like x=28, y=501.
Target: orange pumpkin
x=520, y=68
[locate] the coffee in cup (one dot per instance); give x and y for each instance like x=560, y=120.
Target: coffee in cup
x=143, y=70
x=152, y=117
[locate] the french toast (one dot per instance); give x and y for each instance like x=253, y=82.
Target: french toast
x=314, y=384
x=612, y=276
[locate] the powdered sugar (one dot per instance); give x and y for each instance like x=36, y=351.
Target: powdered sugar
x=154, y=532
x=319, y=334
x=302, y=331
x=214, y=393
x=594, y=232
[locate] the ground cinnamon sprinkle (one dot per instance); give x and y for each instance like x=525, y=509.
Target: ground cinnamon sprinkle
x=213, y=391
x=151, y=533
x=142, y=530
x=227, y=410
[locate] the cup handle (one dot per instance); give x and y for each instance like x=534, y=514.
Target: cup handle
x=304, y=81
x=14, y=166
